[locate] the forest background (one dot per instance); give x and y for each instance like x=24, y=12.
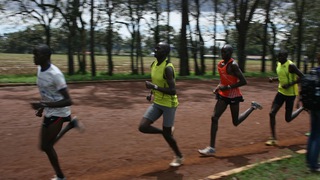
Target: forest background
x=196, y=29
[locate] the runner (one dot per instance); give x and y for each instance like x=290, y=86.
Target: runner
x=228, y=93
x=165, y=101
x=289, y=77
x=55, y=104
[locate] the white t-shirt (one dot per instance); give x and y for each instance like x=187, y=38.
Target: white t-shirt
x=49, y=83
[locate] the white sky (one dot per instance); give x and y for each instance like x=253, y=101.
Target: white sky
x=12, y=25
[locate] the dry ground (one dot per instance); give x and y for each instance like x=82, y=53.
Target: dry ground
x=112, y=148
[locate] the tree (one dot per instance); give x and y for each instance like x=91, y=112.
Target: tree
x=215, y=2
x=197, y=45
x=22, y=41
x=312, y=31
x=168, y=24
x=92, y=40
x=38, y=10
x=82, y=47
x=110, y=8
x=300, y=11
x=243, y=11
x=71, y=13
x=280, y=14
x=183, y=48
x=265, y=34
x=134, y=13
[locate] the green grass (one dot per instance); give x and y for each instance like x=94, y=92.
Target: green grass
x=16, y=68
x=19, y=68
x=293, y=168
x=18, y=78
x=101, y=76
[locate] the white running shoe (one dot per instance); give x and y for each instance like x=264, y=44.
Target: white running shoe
x=177, y=161
x=208, y=151
x=256, y=105
x=78, y=124
x=57, y=178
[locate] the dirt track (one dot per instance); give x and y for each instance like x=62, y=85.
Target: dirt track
x=112, y=148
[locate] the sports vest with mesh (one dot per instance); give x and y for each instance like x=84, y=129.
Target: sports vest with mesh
x=285, y=77
x=227, y=79
x=158, y=78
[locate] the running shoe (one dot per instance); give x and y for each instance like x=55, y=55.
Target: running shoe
x=316, y=170
x=256, y=105
x=177, y=161
x=77, y=124
x=208, y=151
x=271, y=142
x=57, y=178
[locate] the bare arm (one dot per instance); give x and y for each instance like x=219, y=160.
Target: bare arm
x=293, y=69
x=238, y=73
x=271, y=79
x=66, y=101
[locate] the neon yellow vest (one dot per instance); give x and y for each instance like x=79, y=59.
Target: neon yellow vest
x=158, y=78
x=286, y=77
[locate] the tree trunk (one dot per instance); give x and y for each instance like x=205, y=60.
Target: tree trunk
x=300, y=15
x=243, y=16
x=109, y=46
x=48, y=35
x=92, y=42
x=265, y=37
x=70, y=56
x=168, y=24
x=183, y=50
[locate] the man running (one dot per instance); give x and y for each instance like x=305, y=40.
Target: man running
x=165, y=101
x=55, y=102
x=228, y=93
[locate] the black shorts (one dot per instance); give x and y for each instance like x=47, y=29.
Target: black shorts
x=280, y=99
x=229, y=100
x=54, y=119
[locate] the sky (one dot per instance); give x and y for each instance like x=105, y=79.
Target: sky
x=13, y=25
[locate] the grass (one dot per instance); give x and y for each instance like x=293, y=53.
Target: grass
x=293, y=168
x=101, y=76
x=19, y=68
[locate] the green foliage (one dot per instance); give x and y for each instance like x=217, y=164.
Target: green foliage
x=21, y=42
x=293, y=168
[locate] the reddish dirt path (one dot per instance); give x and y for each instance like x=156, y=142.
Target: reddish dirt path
x=112, y=148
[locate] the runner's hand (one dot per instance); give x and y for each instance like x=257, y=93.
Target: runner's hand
x=149, y=85
x=39, y=112
x=36, y=105
x=215, y=91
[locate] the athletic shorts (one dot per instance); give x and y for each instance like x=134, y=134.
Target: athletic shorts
x=54, y=119
x=154, y=112
x=280, y=99
x=229, y=100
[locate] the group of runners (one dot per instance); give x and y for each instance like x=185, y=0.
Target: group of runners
x=55, y=100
